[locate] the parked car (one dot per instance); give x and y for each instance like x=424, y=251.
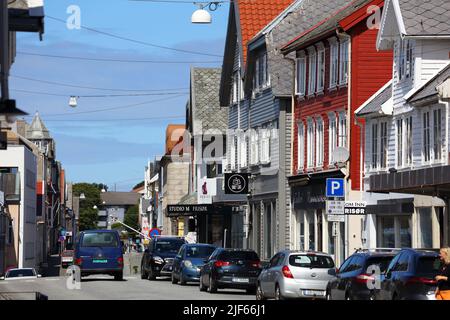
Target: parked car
x=355, y=279
x=410, y=276
x=157, y=259
x=189, y=260
x=230, y=268
x=66, y=258
x=295, y=274
x=99, y=252
x=21, y=274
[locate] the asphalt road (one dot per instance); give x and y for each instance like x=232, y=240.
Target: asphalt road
x=105, y=288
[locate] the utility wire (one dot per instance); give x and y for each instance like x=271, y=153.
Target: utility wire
x=91, y=88
x=138, y=41
x=112, y=60
x=100, y=96
x=115, y=108
x=111, y=120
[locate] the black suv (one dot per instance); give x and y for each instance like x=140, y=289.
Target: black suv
x=158, y=257
x=410, y=276
x=356, y=279
x=230, y=268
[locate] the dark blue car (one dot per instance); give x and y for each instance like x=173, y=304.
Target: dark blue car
x=189, y=260
x=99, y=252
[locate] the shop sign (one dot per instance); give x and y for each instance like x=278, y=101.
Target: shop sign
x=355, y=207
x=335, y=211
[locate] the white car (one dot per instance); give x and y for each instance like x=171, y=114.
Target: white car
x=21, y=274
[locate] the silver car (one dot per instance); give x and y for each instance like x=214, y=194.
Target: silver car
x=296, y=274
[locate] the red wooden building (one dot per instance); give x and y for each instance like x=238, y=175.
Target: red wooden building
x=337, y=69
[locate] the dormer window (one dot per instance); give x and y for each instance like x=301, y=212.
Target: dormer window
x=405, y=60
x=261, y=78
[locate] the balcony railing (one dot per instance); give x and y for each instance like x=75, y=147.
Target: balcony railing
x=10, y=185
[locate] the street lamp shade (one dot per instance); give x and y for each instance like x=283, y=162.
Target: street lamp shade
x=95, y=207
x=73, y=101
x=82, y=196
x=201, y=16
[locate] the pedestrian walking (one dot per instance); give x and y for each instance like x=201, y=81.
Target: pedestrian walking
x=443, y=279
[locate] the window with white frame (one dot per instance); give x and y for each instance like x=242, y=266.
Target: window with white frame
x=408, y=141
x=332, y=136
x=343, y=61
x=334, y=64
x=310, y=144
x=301, y=76
x=301, y=146
x=233, y=153
x=319, y=142
x=374, y=164
x=235, y=91
x=254, y=147
x=320, y=70
x=383, y=144
x=312, y=59
x=405, y=59
x=342, y=130
x=399, y=142
x=437, y=135
x=426, y=137
x=243, y=150
x=265, y=146
x=261, y=78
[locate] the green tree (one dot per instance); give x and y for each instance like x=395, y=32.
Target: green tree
x=132, y=219
x=88, y=215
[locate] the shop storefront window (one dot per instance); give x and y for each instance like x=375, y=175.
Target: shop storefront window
x=425, y=228
x=405, y=232
x=300, y=231
x=387, y=232
x=311, y=231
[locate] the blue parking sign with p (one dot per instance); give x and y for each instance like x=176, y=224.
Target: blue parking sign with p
x=335, y=187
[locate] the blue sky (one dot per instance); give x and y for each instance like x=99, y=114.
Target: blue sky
x=91, y=148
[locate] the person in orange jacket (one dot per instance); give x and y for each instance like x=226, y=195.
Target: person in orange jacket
x=443, y=279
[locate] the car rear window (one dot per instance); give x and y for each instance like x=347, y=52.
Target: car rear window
x=239, y=255
x=428, y=265
x=99, y=239
x=311, y=261
x=20, y=273
x=381, y=262
x=199, y=252
x=168, y=245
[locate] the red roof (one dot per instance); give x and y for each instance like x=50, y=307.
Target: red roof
x=255, y=15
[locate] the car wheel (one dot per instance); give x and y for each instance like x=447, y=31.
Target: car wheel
x=151, y=275
x=144, y=274
x=278, y=295
x=182, y=281
x=259, y=294
x=395, y=297
x=348, y=296
x=201, y=286
x=328, y=295
x=174, y=280
x=118, y=276
x=212, y=288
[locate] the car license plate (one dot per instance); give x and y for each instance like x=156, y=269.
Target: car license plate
x=313, y=293
x=241, y=280
x=100, y=261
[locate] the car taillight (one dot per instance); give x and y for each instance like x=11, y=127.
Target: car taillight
x=421, y=280
x=287, y=272
x=364, y=278
x=220, y=263
x=120, y=260
x=256, y=264
x=78, y=261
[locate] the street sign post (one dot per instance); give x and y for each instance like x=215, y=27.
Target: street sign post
x=154, y=232
x=335, y=211
x=236, y=183
x=335, y=188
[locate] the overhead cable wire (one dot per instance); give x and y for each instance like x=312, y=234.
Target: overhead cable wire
x=138, y=41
